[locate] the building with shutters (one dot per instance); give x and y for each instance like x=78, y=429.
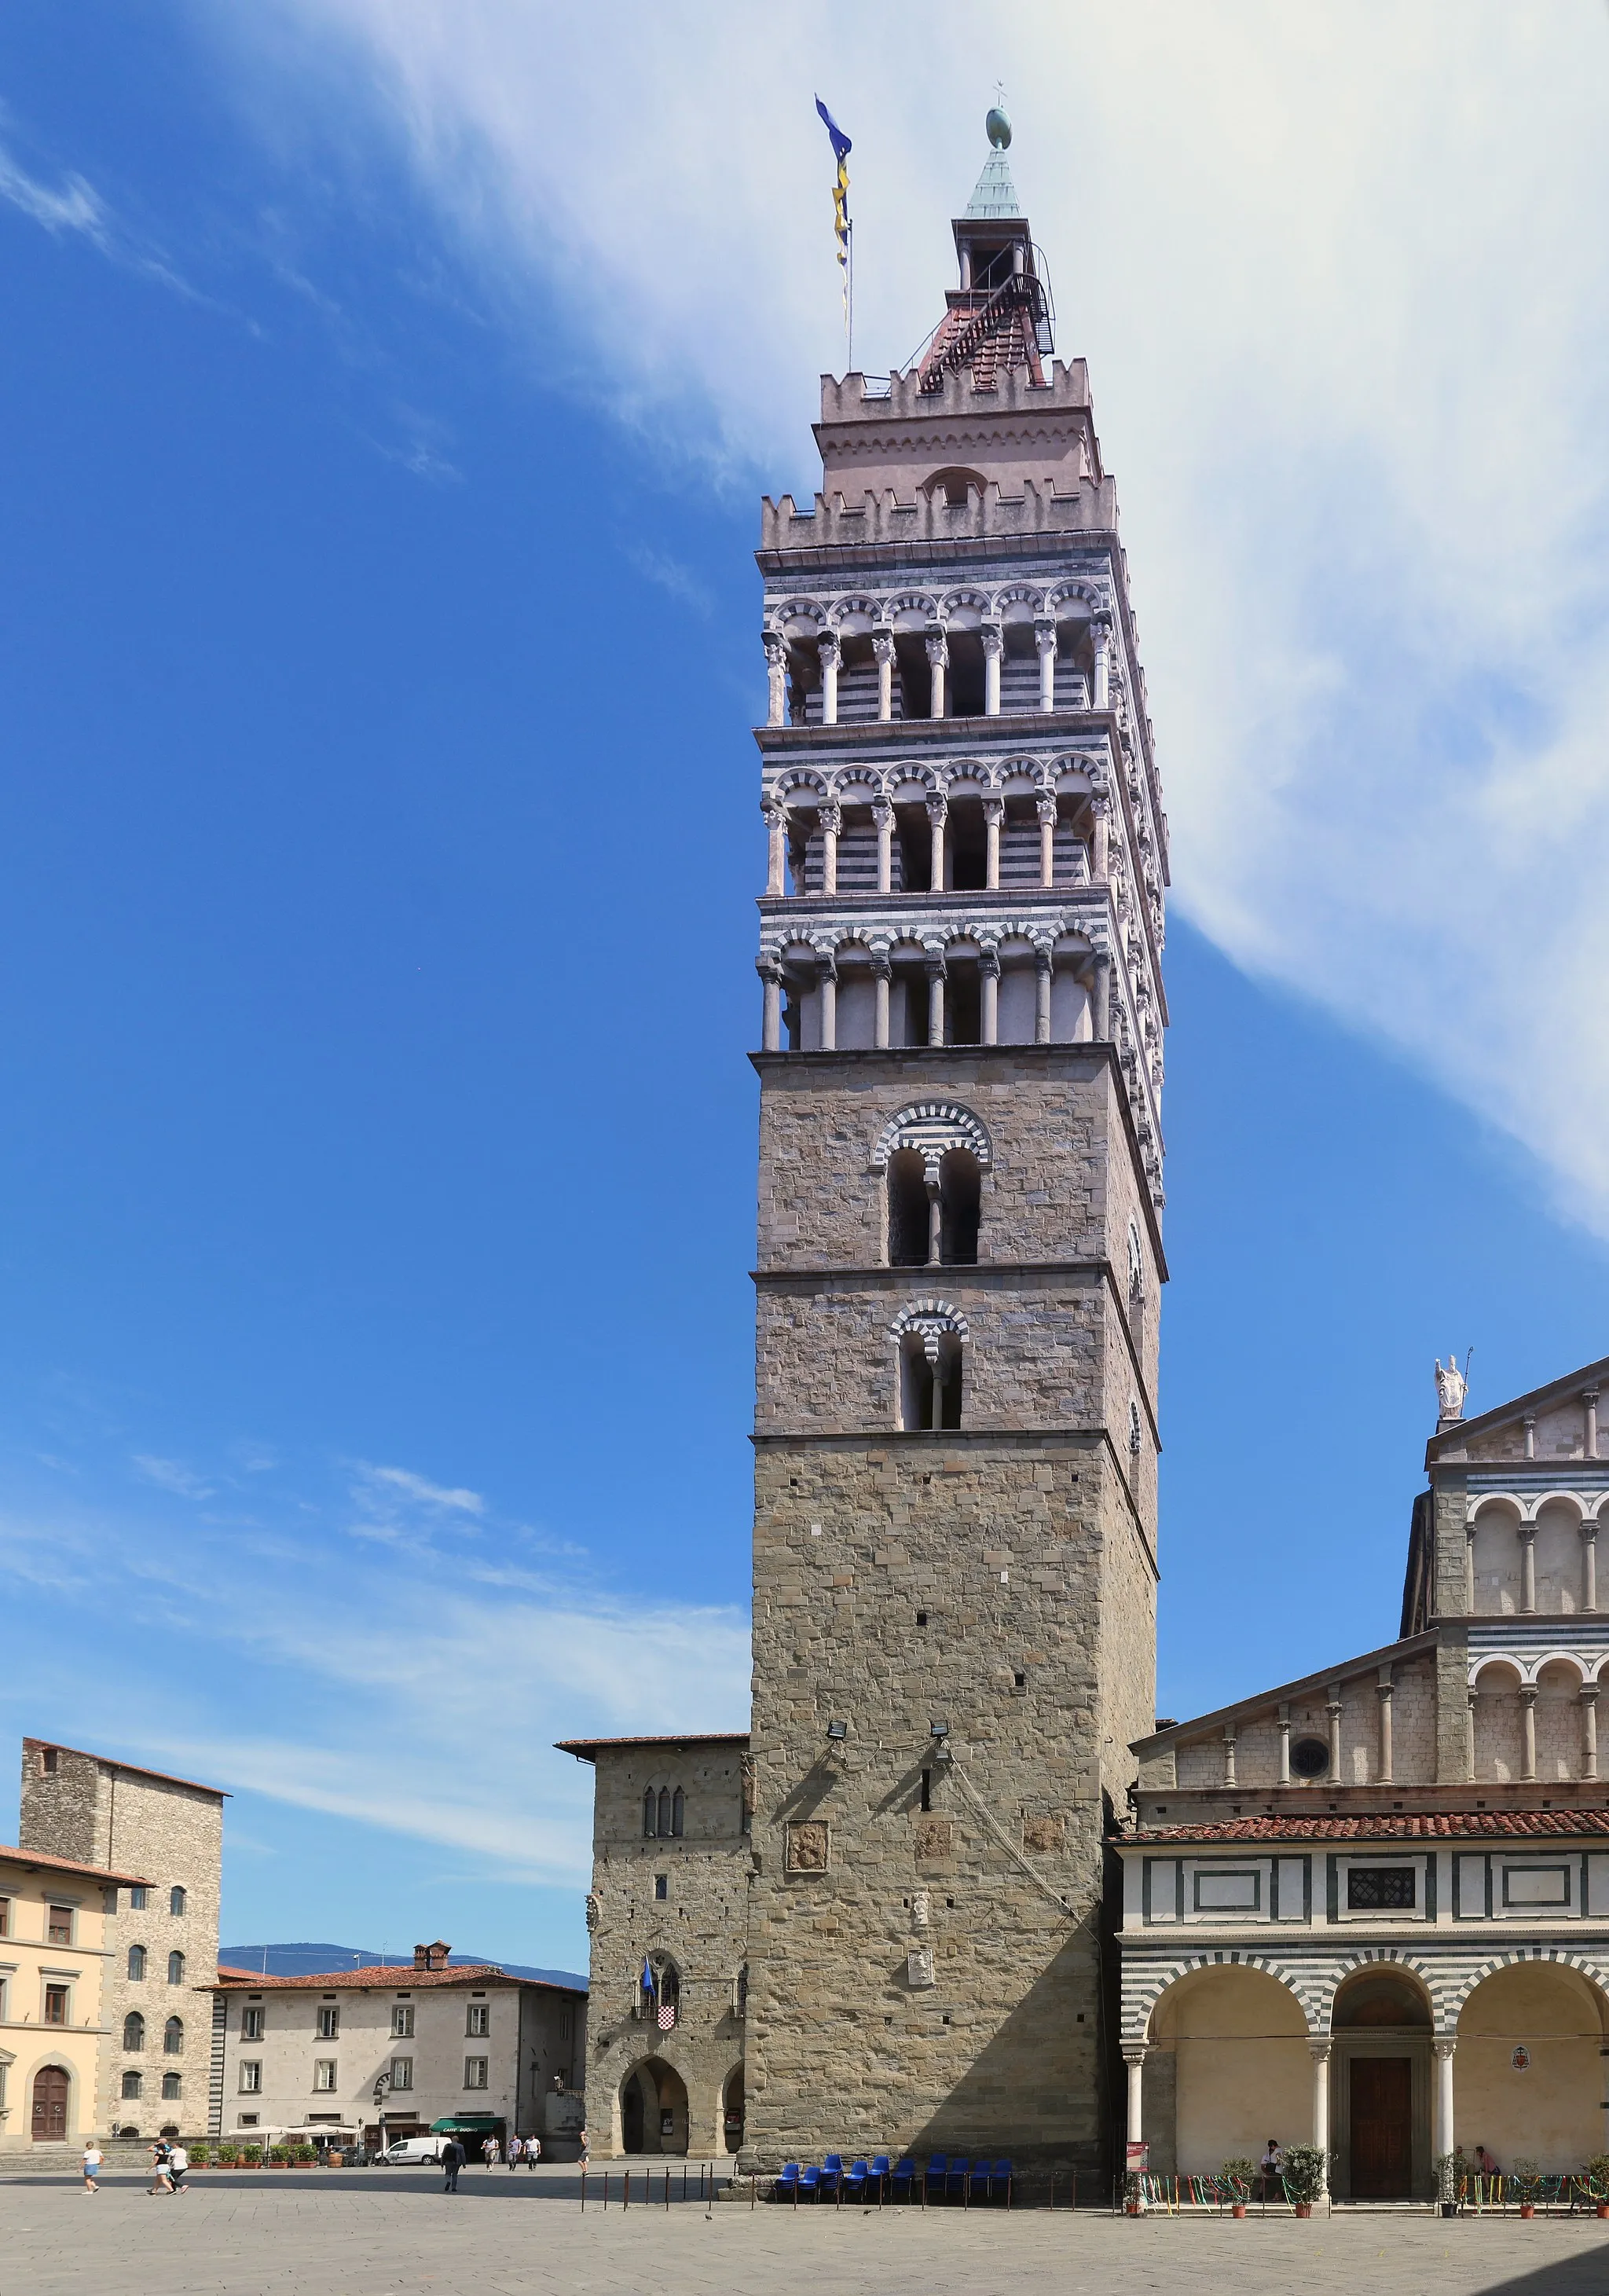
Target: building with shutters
x=55, y=2035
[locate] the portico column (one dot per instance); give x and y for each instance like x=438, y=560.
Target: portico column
x=1100, y=857
x=1284, y=1745
x=930, y=1349
x=1332, y=1711
x=828, y=650
x=1101, y=1017
x=1473, y=1697
x=882, y=823
x=776, y=850
x=881, y=974
x=1469, y=1568
x=1528, y=1566
x=831, y=817
x=827, y=976
x=1589, y=1697
x=1589, y=1566
x=1528, y=1714
x=1529, y=1423
x=994, y=646
x=1134, y=2057
x=1101, y=632
x=1045, y=638
x=989, y=994
x=937, y=814
x=1320, y=2053
x=1589, y=1398
x=777, y=672
x=1445, y=2139
x=1229, y=1756
x=1041, y=995
x=883, y=653
x=1382, y=1692
x=935, y=1236
x=938, y=657
x=1045, y=806
x=994, y=814
x=770, y=1035
x=935, y=997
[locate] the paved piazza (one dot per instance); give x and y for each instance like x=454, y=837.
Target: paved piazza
x=376, y=2234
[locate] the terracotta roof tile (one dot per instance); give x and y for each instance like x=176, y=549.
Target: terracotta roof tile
x=70, y=1865
x=401, y=1974
x=584, y=1748
x=1398, y=1825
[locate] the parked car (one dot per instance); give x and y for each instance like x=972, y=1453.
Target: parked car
x=413, y=2152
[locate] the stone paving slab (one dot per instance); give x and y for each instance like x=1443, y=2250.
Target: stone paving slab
x=381, y=2233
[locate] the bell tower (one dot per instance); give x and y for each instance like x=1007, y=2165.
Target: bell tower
x=959, y=1254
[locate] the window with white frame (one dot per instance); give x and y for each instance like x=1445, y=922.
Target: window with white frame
x=475, y=2072
x=323, y=2073
x=479, y=2018
x=328, y=2024
x=251, y=2024
x=402, y=2020
x=402, y=2072
x=250, y=2076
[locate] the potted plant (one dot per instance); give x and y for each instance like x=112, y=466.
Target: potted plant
x=1303, y=2173
x=200, y=2156
x=228, y=2156
x=279, y=2156
x=1450, y=2170
x=251, y=2156
x=305, y=2155
x=1595, y=2179
x=1527, y=2182
x=1237, y=2178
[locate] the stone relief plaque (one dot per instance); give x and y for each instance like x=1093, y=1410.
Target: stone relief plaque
x=807, y=1845
x=935, y=1837
x=1043, y=1834
x=919, y=1967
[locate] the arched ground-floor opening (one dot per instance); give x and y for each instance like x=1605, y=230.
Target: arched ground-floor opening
x=52, y=2093
x=1382, y=2086
x=1227, y=2067
x=731, y=2111
x=653, y=2109
x=1528, y=2080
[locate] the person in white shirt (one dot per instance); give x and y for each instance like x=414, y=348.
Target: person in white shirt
x=178, y=2163
x=92, y=2165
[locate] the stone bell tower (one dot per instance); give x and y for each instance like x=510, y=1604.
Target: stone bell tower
x=959, y=1248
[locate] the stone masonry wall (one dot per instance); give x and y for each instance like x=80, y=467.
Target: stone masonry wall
x=701, y=1922
x=139, y=1824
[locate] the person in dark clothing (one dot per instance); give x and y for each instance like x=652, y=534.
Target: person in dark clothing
x=452, y=2161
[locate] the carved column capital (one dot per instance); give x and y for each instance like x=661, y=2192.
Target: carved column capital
x=938, y=808
x=938, y=648
x=776, y=648
x=993, y=637
x=828, y=647
x=883, y=645
x=1045, y=636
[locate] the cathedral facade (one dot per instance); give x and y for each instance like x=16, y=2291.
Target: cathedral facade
x=892, y=1933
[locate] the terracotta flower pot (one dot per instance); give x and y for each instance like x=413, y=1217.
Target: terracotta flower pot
x=1237, y=2208
x=1304, y=2208
x=1603, y=2208
x=1528, y=2208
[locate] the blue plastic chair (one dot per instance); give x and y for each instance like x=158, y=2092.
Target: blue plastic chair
x=786, y=2186
x=955, y=2180
x=809, y=2183
x=978, y=2181
x=854, y=2181
x=832, y=2173
x=933, y=2174
x=903, y=2178
x=880, y=2170
x=1000, y=2182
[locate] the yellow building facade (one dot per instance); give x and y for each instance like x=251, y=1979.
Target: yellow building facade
x=53, y=1964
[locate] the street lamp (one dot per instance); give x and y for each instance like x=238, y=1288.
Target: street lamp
x=380, y=2085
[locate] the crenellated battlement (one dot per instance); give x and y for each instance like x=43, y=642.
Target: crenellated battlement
x=986, y=514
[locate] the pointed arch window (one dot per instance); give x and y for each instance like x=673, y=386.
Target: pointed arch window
x=173, y=2036
x=134, y=2030
x=137, y=1963
x=175, y=1969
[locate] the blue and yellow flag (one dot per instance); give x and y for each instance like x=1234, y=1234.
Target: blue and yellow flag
x=841, y=148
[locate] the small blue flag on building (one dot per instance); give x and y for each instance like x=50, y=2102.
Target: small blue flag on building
x=647, y=1978
x=841, y=148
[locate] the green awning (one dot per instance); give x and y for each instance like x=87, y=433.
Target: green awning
x=457, y=2124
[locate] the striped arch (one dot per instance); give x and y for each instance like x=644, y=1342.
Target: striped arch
x=1140, y=2006
x=1595, y=1973
x=800, y=777
x=858, y=781
x=1430, y=1976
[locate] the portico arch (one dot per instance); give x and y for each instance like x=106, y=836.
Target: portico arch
x=1528, y=2077
x=1226, y=2065
x=653, y=2104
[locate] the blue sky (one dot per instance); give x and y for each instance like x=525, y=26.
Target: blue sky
x=378, y=843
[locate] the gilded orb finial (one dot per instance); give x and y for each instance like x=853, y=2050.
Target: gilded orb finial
x=999, y=124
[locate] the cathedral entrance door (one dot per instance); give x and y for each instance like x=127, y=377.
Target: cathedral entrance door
x=1381, y=2128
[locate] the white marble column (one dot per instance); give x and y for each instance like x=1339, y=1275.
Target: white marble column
x=883, y=653
x=937, y=814
x=1528, y=1721
x=1445, y=2136
x=1045, y=806
x=1100, y=857
x=1589, y=1404
x=1284, y=1745
x=776, y=849
x=1229, y=1756
x=1383, y=1693
x=935, y=1242
x=829, y=678
x=882, y=821
x=776, y=676
x=938, y=659
x=994, y=814
x=827, y=978
x=770, y=974
x=1530, y=1425
x=1589, y=1566
x=1041, y=999
x=1469, y=1568
x=1134, y=2057
x=1320, y=2053
x=1473, y=1697
x=831, y=817
x=1588, y=1698
x=989, y=994
x=1101, y=1016
x=1101, y=633
x=994, y=646
x=935, y=997
x=1333, y=1714
x=1045, y=638
x=1528, y=1566
x=882, y=971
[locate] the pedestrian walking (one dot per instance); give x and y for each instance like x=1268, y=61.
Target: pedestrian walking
x=583, y=2148
x=516, y=2148
x=490, y=2150
x=92, y=2165
x=178, y=2168
x=533, y=2151
x=453, y=2157
x=160, y=2181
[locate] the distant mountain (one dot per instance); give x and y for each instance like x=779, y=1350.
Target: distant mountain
x=314, y=1960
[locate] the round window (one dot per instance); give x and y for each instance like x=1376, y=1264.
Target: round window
x=1309, y=1758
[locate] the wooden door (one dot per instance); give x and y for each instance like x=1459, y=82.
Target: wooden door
x=50, y=2105
x=1381, y=2128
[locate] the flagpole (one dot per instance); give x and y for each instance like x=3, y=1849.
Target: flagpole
x=850, y=308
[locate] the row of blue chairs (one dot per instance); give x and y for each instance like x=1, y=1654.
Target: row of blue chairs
x=942, y=2179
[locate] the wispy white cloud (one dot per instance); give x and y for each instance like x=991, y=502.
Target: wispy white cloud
x=75, y=206
x=1339, y=277
x=671, y=576
x=402, y=1482
x=172, y=1475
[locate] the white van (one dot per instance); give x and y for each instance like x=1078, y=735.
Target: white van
x=413, y=2152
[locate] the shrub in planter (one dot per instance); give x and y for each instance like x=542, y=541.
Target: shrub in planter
x=251, y=2156
x=1526, y=2184
x=1594, y=2181
x=1304, y=2173
x=304, y=2155
x=228, y=2156
x=1451, y=2170
x=1237, y=2178
x=279, y=2156
x=200, y=2156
